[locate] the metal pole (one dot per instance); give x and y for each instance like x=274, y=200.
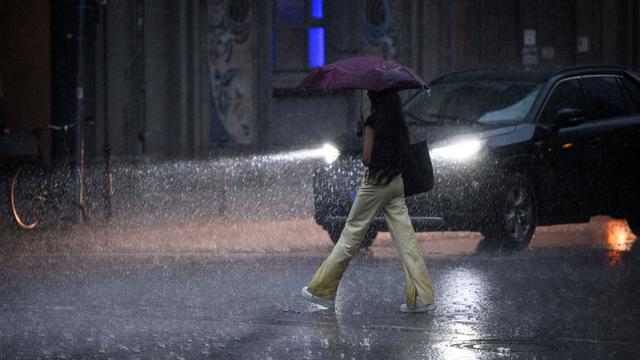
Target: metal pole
x=105, y=96
x=140, y=78
x=2, y=120
x=80, y=84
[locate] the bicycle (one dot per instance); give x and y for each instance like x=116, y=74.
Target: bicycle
x=34, y=186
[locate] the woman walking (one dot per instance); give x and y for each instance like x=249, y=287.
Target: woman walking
x=386, y=139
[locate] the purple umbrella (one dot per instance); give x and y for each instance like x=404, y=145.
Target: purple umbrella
x=362, y=73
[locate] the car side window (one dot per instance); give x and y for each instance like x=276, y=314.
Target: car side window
x=605, y=97
x=567, y=94
x=633, y=92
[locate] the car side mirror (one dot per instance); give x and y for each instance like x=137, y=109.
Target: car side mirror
x=566, y=117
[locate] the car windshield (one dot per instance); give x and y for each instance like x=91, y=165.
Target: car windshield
x=484, y=102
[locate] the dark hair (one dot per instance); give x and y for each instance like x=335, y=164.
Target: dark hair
x=392, y=135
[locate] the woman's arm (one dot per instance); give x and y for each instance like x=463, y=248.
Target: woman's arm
x=367, y=148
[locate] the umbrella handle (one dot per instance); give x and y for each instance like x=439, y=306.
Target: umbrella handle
x=361, y=117
x=360, y=127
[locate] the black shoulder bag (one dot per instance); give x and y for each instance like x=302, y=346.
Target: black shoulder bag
x=418, y=171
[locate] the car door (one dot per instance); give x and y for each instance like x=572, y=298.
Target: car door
x=573, y=155
x=611, y=98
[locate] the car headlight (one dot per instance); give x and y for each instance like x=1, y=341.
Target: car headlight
x=462, y=150
x=329, y=153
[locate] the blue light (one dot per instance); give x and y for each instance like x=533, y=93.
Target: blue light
x=316, y=47
x=316, y=9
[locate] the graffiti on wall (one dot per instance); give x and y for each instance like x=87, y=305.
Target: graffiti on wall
x=231, y=72
x=379, y=29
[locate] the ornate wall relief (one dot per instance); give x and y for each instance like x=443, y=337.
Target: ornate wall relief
x=379, y=28
x=230, y=48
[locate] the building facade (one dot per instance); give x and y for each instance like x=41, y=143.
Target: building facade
x=190, y=78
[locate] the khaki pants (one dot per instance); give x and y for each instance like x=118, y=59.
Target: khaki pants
x=370, y=200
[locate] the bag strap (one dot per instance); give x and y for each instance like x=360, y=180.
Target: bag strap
x=361, y=105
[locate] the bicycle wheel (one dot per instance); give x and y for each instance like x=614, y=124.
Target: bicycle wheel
x=28, y=194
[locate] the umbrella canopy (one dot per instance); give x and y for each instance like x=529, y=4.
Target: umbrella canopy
x=362, y=73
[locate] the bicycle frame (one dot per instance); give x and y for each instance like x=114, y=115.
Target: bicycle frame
x=80, y=162
x=43, y=194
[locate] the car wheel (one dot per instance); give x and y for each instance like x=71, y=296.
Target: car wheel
x=369, y=236
x=634, y=225
x=513, y=218
x=334, y=234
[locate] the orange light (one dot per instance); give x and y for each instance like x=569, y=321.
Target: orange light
x=619, y=236
x=567, y=145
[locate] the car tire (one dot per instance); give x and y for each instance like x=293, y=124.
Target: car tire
x=634, y=224
x=513, y=216
x=369, y=236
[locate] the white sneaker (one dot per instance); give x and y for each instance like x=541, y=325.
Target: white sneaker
x=317, y=300
x=420, y=307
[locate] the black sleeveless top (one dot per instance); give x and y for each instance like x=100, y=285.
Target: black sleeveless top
x=389, y=147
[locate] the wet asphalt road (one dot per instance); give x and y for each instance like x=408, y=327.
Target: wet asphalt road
x=578, y=302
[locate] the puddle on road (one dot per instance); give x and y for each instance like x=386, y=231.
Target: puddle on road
x=507, y=346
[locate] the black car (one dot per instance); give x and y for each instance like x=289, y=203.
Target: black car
x=511, y=149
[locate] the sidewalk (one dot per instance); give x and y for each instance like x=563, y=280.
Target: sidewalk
x=237, y=237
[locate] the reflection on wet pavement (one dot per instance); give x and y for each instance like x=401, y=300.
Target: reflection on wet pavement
x=230, y=290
